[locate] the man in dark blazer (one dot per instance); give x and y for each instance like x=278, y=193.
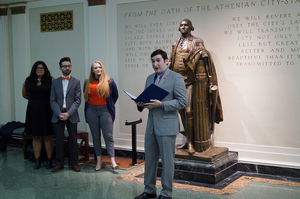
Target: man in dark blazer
x=162, y=126
x=65, y=98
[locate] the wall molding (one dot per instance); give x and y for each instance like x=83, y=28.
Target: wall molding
x=247, y=153
x=265, y=155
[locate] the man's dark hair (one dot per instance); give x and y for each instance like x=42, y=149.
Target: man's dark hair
x=160, y=52
x=189, y=24
x=64, y=59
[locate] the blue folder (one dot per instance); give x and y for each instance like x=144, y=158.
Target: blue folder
x=151, y=92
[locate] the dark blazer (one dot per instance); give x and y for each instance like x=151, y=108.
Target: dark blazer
x=73, y=99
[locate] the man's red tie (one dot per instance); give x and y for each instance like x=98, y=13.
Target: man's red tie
x=63, y=78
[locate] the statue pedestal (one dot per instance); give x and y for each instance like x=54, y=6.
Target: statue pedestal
x=209, y=155
x=210, y=172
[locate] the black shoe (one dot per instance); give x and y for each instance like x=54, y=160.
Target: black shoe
x=37, y=164
x=163, y=197
x=146, y=196
x=49, y=164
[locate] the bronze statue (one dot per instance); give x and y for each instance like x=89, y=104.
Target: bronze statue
x=190, y=58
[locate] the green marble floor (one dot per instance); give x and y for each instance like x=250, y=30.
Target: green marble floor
x=18, y=179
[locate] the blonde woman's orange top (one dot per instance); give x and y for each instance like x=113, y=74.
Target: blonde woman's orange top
x=94, y=98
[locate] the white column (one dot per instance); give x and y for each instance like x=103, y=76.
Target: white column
x=96, y=42
x=6, y=86
x=96, y=34
x=20, y=60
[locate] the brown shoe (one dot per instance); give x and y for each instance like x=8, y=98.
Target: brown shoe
x=191, y=149
x=57, y=168
x=75, y=167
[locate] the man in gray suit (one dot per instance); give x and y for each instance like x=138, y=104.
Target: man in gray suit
x=162, y=126
x=65, y=98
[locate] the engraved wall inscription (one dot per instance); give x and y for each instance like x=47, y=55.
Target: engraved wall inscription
x=265, y=39
x=255, y=47
x=268, y=38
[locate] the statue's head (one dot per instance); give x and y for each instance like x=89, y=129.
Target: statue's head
x=186, y=22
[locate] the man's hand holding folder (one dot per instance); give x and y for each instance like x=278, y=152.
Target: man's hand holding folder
x=151, y=97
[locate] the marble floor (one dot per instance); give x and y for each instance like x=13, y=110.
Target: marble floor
x=20, y=180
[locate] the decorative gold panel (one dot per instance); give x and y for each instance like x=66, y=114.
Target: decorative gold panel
x=3, y=11
x=57, y=21
x=96, y=2
x=17, y=10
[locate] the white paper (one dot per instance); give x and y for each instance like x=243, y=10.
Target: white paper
x=130, y=95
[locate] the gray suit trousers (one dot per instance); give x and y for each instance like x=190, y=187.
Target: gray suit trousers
x=153, y=146
x=99, y=118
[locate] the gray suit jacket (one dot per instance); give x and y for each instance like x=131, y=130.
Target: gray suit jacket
x=165, y=121
x=73, y=99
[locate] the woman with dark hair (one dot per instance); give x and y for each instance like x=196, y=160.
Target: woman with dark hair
x=101, y=94
x=36, y=89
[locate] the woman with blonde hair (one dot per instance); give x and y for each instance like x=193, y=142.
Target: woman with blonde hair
x=101, y=94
